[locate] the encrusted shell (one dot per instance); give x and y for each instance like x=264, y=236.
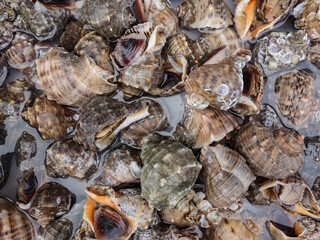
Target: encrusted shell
x=72, y=80
x=14, y=224
x=226, y=174
x=6, y=34
x=52, y=120
x=25, y=148
x=28, y=185
x=8, y=9
x=169, y=171
x=204, y=14
x=66, y=158
x=109, y=18
x=73, y=32
x=59, y=229
x=51, y=201
x=5, y=164
x=275, y=153
x=296, y=92
x=200, y=127
x=120, y=166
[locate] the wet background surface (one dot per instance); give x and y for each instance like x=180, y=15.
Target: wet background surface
x=174, y=107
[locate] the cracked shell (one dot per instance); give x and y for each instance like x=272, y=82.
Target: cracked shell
x=169, y=171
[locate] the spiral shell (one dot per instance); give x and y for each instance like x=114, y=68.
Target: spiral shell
x=274, y=153
x=28, y=185
x=59, y=229
x=26, y=148
x=5, y=163
x=67, y=158
x=73, y=32
x=296, y=93
x=52, y=120
x=72, y=80
x=14, y=223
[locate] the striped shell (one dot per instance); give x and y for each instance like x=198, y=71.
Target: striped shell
x=52, y=120
x=296, y=93
x=274, y=153
x=226, y=174
x=59, y=229
x=233, y=229
x=72, y=80
x=28, y=185
x=14, y=224
x=72, y=34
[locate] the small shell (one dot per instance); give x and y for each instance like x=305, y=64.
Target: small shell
x=200, y=127
x=296, y=92
x=226, y=174
x=59, y=229
x=6, y=34
x=72, y=80
x=14, y=224
x=84, y=232
x=274, y=153
x=96, y=47
x=169, y=171
x=51, y=201
x=73, y=32
x=268, y=117
x=28, y=185
x=5, y=163
x=56, y=4
x=52, y=120
x=120, y=166
x=109, y=18
x=3, y=68
x=204, y=14
x=67, y=158
x=26, y=148
x=314, y=54
x=316, y=188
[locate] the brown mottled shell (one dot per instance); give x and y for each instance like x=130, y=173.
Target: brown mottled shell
x=226, y=174
x=28, y=185
x=51, y=201
x=52, y=120
x=84, y=231
x=200, y=127
x=68, y=158
x=120, y=166
x=72, y=34
x=59, y=229
x=25, y=148
x=6, y=34
x=8, y=9
x=204, y=14
x=5, y=164
x=296, y=93
x=313, y=54
x=72, y=80
x=109, y=18
x=96, y=47
x=14, y=224
x=273, y=153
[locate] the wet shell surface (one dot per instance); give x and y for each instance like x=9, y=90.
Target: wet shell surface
x=169, y=171
x=5, y=164
x=6, y=34
x=109, y=18
x=72, y=80
x=59, y=229
x=204, y=14
x=274, y=153
x=52, y=120
x=14, y=223
x=28, y=185
x=200, y=127
x=296, y=94
x=226, y=174
x=51, y=201
x=73, y=32
x=67, y=158
x=26, y=148
x=121, y=166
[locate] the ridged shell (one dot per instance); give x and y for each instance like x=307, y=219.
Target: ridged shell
x=14, y=224
x=120, y=166
x=72, y=80
x=170, y=169
x=296, y=94
x=109, y=18
x=5, y=164
x=68, y=158
x=200, y=127
x=57, y=4
x=73, y=32
x=218, y=85
x=44, y=25
x=233, y=229
x=52, y=120
x=6, y=34
x=96, y=47
x=8, y=9
x=84, y=231
x=59, y=229
x=51, y=201
x=204, y=14
x=226, y=174
x=274, y=153
x=25, y=148
x=313, y=54
x=28, y=185
x=3, y=68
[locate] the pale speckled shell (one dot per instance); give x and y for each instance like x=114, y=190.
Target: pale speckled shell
x=72, y=80
x=59, y=229
x=314, y=54
x=67, y=158
x=233, y=229
x=52, y=120
x=8, y=9
x=6, y=34
x=296, y=94
x=14, y=223
x=226, y=174
x=273, y=153
x=25, y=148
